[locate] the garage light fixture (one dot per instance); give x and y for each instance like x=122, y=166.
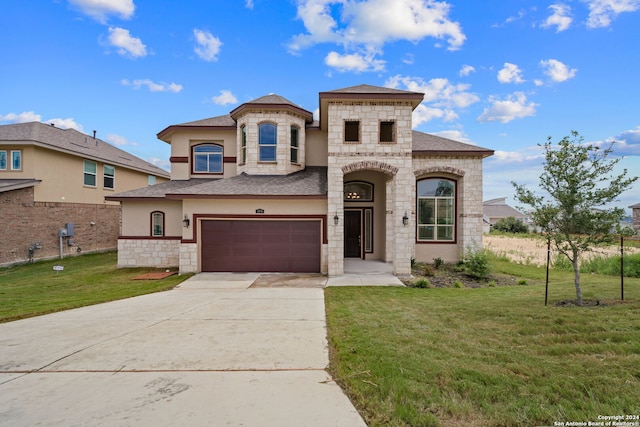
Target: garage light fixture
x=336, y=219
x=405, y=219
x=185, y=221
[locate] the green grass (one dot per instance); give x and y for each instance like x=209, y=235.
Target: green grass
x=33, y=289
x=492, y=356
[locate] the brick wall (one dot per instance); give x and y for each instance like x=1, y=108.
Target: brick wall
x=25, y=222
x=636, y=219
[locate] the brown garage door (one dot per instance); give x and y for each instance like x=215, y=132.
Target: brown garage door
x=261, y=246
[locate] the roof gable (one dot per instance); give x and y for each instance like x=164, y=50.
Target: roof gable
x=425, y=143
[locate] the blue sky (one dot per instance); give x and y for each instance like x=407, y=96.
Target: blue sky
x=501, y=74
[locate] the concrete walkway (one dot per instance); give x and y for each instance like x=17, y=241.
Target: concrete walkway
x=212, y=352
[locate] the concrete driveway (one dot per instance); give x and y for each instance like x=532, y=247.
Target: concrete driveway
x=212, y=352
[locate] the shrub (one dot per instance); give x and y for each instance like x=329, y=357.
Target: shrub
x=522, y=282
x=422, y=283
x=458, y=284
x=476, y=263
x=438, y=262
x=510, y=225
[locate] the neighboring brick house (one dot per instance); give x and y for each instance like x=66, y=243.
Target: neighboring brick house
x=636, y=216
x=51, y=177
x=267, y=188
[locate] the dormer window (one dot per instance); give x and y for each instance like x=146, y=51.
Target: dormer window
x=207, y=158
x=267, y=139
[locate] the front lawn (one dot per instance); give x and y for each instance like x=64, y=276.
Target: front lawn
x=489, y=356
x=33, y=289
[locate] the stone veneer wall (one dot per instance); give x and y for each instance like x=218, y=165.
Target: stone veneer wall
x=160, y=253
x=27, y=222
x=391, y=159
x=189, y=258
x=282, y=166
x=468, y=172
x=636, y=219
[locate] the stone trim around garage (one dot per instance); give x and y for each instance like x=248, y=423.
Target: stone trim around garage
x=159, y=253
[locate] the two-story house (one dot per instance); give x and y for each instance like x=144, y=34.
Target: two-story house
x=267, y=188
x=53, y=184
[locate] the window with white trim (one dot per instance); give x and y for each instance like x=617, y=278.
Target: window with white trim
x=109, y=176
x=3, y=160
x=16, y=160
x=267, y=141
x=436, y=209
x=243, y=145
x=157, y=224
x=90, y=172
x=207, y=158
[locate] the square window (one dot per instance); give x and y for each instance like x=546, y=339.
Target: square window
x=387, y=132
x=352, y=131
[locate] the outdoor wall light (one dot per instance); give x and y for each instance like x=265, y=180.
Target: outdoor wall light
x=185, y=221
x=336, y=219
x=405, y=219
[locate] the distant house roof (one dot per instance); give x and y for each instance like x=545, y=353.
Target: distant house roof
x=17, y=184
x=498, y=208
x=76, y=143
x=636, y=206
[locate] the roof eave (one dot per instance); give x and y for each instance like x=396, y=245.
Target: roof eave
x=308, y=116
x=165, y=133
x=244, y=196
x=481, y=153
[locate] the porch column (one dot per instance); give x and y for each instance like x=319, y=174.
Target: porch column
x=404, y=186
x=335, y=232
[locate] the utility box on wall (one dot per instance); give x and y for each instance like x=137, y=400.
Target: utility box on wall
x=70, y=229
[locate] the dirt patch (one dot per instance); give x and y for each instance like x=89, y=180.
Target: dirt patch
x=450, y=276
x=155, y=275
x=534, y=251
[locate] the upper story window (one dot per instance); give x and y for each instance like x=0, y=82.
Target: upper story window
x=157, y=224
x=3, y=160
x=16, y=160
x=357, y=191
x=267, y=139
x=387, y=131
x=243, y=145
x=295, y=144
x=90, y=172
x=207, y=158
x=436, y=209
x=351, y=131
x=109, y=176
x=151, y=180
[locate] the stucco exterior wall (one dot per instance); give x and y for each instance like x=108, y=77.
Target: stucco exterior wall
x=181, y=143
x=136, y=218
x=316, y=147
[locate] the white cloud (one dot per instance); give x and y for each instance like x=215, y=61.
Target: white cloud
x=373, y=23
x=441, y=100
x=514, y=106
x=208, y=46
x=100, y=9
x=24, y=117
x=526, y=155
x=602, y=12
x=67, y=123
x=248, y=4
x=557, y=71
x=161, y=163
x=225, y=97
x=115, y=139
x=627, y=143
x=354, y=62
x=560, y=18
x=466, y=70
x=510, y=73
x=127, y=44
x=152, y=86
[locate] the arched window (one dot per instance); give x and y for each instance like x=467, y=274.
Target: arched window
x=207, y=158
x=157, y=224
x=267, y=139
x=436, y=209
x=358, y=191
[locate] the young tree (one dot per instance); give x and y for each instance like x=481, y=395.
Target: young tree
x=580, y=184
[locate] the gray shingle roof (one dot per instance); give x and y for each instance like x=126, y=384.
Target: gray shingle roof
x=16, y=184
x=431, y=144
x=362, y=89
x=73, y=142
x=311, y=182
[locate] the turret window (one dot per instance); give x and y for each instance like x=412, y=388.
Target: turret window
x=267, y=139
